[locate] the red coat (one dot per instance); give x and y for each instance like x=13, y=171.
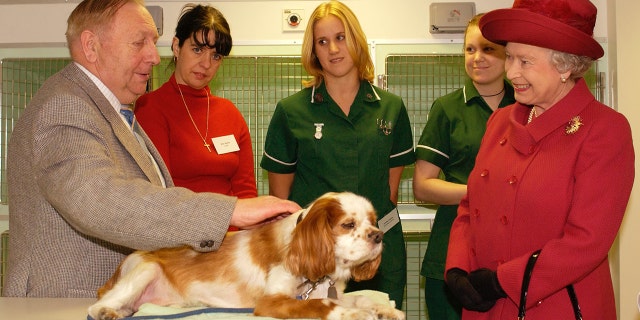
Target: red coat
x=560, y=184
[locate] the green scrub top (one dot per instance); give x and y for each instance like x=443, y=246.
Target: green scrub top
x=350, y=153
x=450, y=140
x=310, y=135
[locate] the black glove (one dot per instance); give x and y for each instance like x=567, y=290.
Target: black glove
x=485, y=281
x=471, y=299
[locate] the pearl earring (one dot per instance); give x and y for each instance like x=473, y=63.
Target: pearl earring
x=563, y=80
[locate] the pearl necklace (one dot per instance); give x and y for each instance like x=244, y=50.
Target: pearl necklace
x=532, y=114
x=204, y=139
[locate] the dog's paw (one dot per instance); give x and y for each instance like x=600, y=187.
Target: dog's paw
x=390, y=313
x=105, y=313
x=345, y=313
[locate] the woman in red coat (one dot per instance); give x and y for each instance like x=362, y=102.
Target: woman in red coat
x=554, y=173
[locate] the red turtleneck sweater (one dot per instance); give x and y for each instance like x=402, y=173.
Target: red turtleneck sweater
x=163, y=116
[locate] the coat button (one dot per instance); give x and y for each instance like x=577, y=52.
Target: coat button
x=476, y=213
x=532, y=149
x=504, y=220
x=503, y=141
x=473, y=252
x=484, y=173
x=513, y=180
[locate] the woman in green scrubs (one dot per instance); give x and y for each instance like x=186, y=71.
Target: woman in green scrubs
x=341, y=133
x=448, y=146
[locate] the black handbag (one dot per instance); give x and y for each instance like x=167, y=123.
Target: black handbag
x=525, y=290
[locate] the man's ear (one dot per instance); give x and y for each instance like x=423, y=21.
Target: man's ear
x=90, y=44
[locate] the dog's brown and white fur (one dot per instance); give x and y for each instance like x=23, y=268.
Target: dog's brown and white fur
x=263, y=268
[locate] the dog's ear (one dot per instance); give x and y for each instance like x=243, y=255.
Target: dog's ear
x=367, y=270
x=311, y=251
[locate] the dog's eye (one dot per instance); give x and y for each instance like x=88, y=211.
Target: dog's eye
x=349, y=225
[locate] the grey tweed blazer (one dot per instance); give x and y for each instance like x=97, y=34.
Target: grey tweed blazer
x=83, y=194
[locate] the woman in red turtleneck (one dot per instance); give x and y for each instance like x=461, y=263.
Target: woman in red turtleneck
x=203, y=139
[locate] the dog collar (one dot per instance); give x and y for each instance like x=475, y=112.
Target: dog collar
x=311, y=286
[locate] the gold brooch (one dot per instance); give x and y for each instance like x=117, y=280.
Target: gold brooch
x=574, y=125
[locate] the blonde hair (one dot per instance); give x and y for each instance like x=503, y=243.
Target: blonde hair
x=474, y=22
x=355, y=38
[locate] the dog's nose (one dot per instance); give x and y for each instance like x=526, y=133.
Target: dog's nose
x=376, y=236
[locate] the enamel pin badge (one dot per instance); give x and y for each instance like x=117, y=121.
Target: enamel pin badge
x=384, y=126
x=318, y=134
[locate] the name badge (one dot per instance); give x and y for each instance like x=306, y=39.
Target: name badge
x=225, y=144
x=389, y=220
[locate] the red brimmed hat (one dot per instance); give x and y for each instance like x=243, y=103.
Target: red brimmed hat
x=562, y=25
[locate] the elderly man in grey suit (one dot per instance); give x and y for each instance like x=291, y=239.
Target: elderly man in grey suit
x=85, y=187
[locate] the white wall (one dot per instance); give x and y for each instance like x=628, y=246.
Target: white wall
x=623, y=26
x=252, y=21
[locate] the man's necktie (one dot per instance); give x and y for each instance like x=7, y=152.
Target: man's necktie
x=127, y=112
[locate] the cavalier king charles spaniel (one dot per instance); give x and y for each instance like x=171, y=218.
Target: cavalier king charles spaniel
x=296, y=267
